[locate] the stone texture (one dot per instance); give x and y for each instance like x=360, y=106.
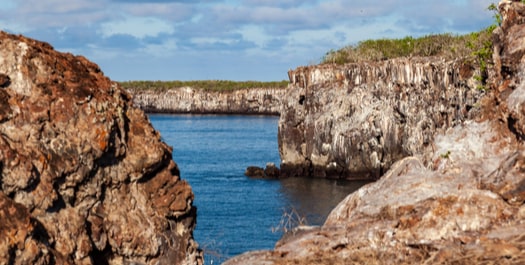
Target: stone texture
x=353, y=121
x=263, y=101
x=85, y=179
x=270, y=171
x=465, y=206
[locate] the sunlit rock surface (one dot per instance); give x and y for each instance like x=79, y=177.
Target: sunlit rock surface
x=263, y=101
x=353, y=121
x=465, y=207
x=85, y=179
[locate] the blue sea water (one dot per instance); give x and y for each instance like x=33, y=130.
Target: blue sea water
x=235, y=213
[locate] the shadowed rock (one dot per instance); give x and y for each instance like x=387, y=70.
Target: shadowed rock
x=271, y=171
x=5, y=81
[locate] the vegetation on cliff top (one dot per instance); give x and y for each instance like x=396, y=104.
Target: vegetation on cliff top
x=209, y=85
x=446, y=45
x=474, y=48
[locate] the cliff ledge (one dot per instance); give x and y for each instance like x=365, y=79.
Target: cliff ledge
x=188, y=100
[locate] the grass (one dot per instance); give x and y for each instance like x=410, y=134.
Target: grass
x=473, y=46
x=289, y=220
x=208, y=85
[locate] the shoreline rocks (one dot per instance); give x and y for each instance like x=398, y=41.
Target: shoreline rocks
x=270, y=172
x=85, y=178
x=463, y=204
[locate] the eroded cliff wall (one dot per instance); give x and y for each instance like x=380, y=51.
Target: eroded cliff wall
x=355, y=120
x=85, y=178
x=466, y=207
x=264, y=101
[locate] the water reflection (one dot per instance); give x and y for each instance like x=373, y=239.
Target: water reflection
x=314, y=198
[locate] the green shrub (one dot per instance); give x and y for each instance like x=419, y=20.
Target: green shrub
x=469, y=46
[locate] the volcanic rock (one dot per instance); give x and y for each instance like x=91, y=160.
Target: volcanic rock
x=465, y=207
x=271, y=171
x=257, y=101
x=354, y=121
x=254, y=172
x=85, y=179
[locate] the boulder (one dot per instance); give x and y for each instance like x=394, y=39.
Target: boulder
x=85, y=178
x=271, y=171
x=466, y=206
x=254, y=172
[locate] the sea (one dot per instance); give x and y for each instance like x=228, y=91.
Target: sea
x=236, y=213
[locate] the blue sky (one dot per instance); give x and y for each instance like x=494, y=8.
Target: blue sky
x=227, y=39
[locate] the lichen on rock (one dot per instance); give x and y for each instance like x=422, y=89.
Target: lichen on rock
x=85, y=178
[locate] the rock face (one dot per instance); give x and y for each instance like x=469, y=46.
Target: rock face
x=353, y=121
x=85, y=179
x=271, y=171
x=262, y=101
x=466, y=207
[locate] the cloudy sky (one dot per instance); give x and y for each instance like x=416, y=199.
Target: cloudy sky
x=227, y=39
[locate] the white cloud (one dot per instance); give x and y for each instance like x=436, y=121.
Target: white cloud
x=285, y=32
x=58, y=7
x=168, y=11
x=138, y=27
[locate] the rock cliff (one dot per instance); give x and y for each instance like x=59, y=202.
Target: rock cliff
x=85, y=179
x=353, y=121
x=465, y=207
x=264, y=101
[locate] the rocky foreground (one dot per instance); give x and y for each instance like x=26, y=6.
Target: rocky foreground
x=85, y=179
x=461, y=202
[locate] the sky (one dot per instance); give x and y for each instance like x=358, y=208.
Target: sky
x=227, y=39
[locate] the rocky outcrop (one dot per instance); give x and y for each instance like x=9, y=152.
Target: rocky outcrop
x=271, y=171
x=263, y=101
x=465, y=207
x=85, y=179
x=353, y=121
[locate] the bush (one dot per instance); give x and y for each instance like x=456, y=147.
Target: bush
x=470, y=46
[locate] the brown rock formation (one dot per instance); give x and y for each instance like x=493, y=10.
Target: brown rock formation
x=467, y=208
x=85, y=179
x=260, y=101
x=271, y=171
x=353, y=121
